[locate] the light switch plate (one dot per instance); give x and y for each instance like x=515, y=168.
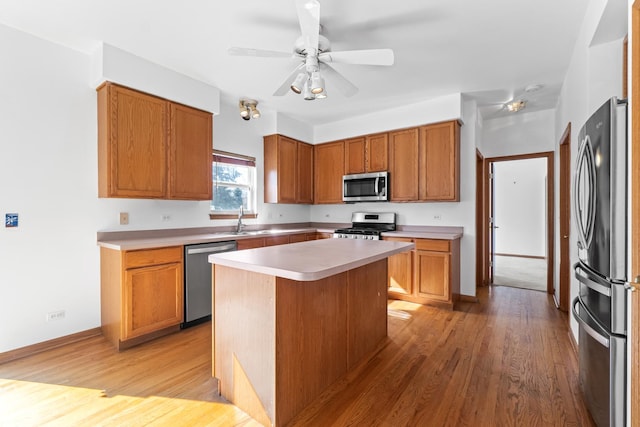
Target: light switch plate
x=124, y=218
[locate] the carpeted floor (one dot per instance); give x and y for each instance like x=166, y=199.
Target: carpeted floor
x=518, y=272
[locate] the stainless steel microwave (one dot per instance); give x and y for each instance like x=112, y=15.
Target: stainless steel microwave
x=366, y=187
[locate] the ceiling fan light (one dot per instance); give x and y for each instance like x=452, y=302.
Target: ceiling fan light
x=515, y=106
x=306, y=92
x=317, y=83
x=296, y=86
x=321, y=95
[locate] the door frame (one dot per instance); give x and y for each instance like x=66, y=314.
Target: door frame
x=564, y=273
x=549, y=155
x=481, y=267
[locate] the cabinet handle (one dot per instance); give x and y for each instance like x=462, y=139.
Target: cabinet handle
x=634, y=286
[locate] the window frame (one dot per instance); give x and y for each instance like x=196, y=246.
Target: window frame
x=219, y=156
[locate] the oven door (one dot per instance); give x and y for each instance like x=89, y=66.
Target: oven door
x=602, y=359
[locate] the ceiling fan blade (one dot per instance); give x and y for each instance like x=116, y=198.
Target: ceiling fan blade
x=309, y=17
x=345, y=86
x=286, y=85
x=360, y=57
x=245, y=51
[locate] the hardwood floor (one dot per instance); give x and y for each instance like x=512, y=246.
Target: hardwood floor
x=506, y=361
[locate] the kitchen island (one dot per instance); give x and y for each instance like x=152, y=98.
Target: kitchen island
x=290, y=320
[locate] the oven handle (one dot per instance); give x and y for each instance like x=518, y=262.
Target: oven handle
x=594, y=282
x=602, y=339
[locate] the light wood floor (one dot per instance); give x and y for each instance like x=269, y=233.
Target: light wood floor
x=506, y=361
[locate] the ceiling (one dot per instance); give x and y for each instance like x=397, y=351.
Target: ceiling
x=489, y=50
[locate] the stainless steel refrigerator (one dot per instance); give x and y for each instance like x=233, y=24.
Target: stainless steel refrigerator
x=600, y=206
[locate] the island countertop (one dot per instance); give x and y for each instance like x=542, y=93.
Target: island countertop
x=312, y=260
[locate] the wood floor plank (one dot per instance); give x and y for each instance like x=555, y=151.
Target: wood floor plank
x=505, y=361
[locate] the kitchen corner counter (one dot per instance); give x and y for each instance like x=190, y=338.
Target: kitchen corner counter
x=426, y=232
x=312, y=260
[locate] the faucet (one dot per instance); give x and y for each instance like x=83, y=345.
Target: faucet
x=240, y=224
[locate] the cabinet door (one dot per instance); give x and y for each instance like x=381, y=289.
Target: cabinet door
x=354, y=156
x=439, y=162
x=432, y=275
x=190, y=158
x=280, y=169
x=400, y=272
x=329, y=169
x=403, y=164
x=250, y=243
x=276, y=240
x=304, y=169
x=132, y=144
x=152, y=299
x=377, y=152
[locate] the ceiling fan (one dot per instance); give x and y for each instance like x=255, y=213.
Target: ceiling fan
x=314, y=51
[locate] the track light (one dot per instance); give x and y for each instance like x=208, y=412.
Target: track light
x=515, y=106
x=244, y=111
x=248, y=109
x=296, y=86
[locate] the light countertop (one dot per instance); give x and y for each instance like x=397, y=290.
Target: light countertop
x=312, y=260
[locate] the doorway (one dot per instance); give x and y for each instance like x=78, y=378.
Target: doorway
x=493, y=247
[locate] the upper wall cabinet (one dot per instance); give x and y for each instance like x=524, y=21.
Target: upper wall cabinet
x=440, y=162
x=424, y=163
x=288, y=170
x=366, y=154
x=149, y=147
x=329, y=169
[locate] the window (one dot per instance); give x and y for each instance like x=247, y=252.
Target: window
x=234, y=185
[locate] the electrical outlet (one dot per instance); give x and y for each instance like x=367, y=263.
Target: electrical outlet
x=166, y=218
x=55, y=315
x=437, y=217
x=124, y=218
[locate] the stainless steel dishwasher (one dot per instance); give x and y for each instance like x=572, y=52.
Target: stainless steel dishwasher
x=197, y=280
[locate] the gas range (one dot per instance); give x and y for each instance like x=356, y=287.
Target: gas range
x=367, y=225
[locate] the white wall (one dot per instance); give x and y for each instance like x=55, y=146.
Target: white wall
x=521, y=133
x=594, y=75
x=520, y=206
x=48, y=175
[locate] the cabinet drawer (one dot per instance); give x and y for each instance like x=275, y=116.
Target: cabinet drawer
x=433, y=245
x=276, y=240
x=158, y=256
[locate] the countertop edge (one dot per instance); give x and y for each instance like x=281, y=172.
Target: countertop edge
x=314, y=275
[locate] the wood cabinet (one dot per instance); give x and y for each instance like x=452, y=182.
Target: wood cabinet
x=149, y=147
x=366, y=154
x=141, y=294
x=430, y=274
x=259, y=242
x=439, y=162
x=328, y=172
x=288, y=170
x=190, y=148
x=424, y=163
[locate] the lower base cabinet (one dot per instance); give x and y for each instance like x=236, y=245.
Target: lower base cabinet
x=430, y=274
x=141, y=294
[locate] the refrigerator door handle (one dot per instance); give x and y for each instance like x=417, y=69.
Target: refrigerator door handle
x=601, y=338
x=576, y=195
x=593, y=282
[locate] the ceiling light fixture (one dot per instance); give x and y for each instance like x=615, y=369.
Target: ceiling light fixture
x=297, y=84
x=515, y=106
x=248, y=109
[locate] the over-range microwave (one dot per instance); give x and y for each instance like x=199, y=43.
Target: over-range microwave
x=366, y=187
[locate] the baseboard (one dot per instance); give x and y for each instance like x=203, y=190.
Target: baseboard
x=522, y=256
x=468, y=298
x=30, y=350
